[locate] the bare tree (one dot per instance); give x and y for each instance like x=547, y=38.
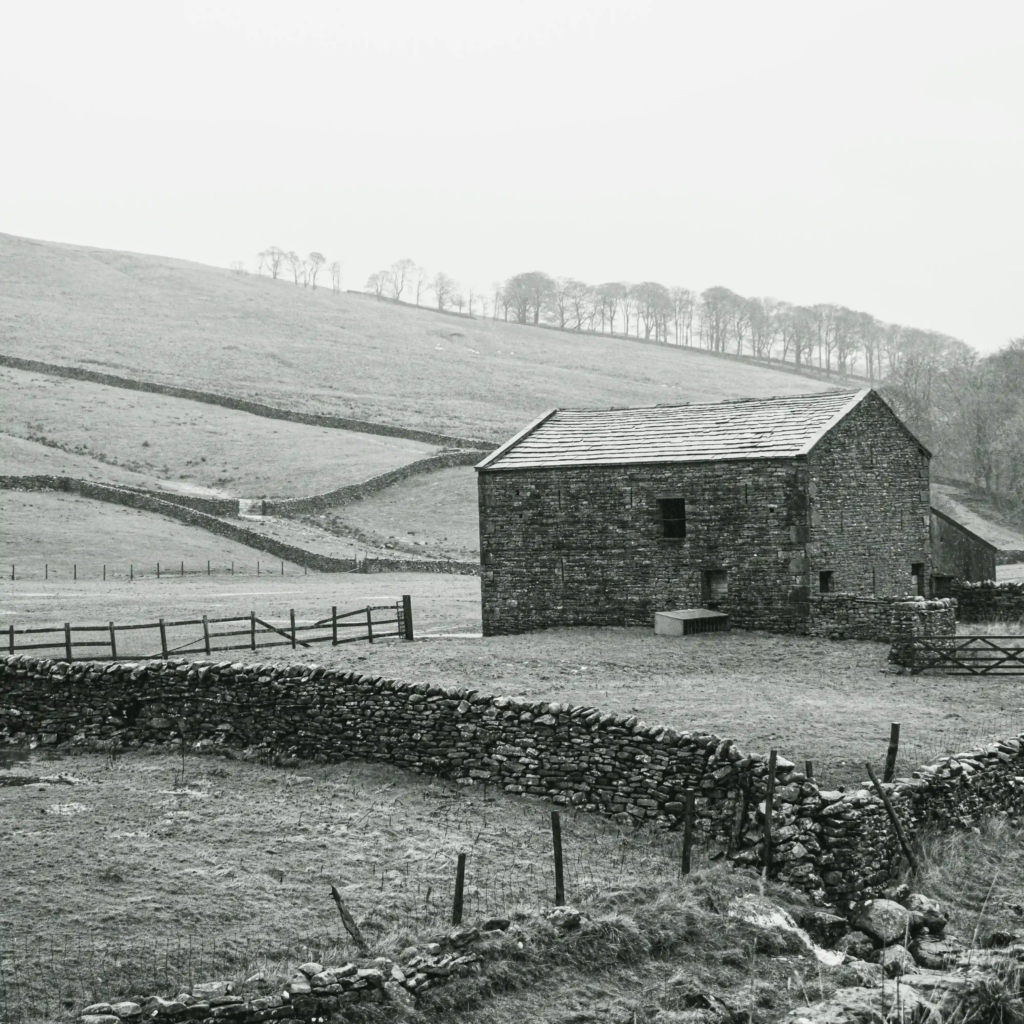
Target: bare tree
x=401, y=271
x=294, y=261
x=559, y=304
x=378, y=282
x=458, y=300
x=335, y=269
x=275, y=257
x=316, y=261
x=261, y=262
x=443, y=287
x=529, y=294
x=238, y=267
x=581, y=307
x=422, y=282
x=609, y=297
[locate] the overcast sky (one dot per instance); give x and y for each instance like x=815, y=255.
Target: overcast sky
x=869, y=154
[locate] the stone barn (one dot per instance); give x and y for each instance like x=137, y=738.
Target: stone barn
x=758, y=507
x=958, y=554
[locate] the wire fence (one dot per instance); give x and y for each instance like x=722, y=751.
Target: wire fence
x=75, y=571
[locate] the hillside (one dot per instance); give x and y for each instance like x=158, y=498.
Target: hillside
x=247, y=336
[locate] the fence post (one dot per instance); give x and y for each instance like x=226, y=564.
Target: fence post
x=282, y=567
x=890, y=756
x=67, y=640
x=334, y=625
x=163, y=640
x=407, y=615
x=76, y=570
x=207, y=567
x=104, y=574
x=460, y=882
x=47, y=571
x=768, y=801
x=12, y=572
x=113, y=643
x=232, y=568
x=556, y=839
x=183, y=568
x=688, y=831
x=291, y=615
x=809, y=770
x=206, y=634
x=252, y=627
x=257, y=567
x=11, y=638
x=890, y=810
x=158, y=570
x=369, y=624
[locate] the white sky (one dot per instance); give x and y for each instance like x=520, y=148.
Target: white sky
x=870, y=154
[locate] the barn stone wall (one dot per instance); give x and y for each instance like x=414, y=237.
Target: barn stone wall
x=833, y=843
x=870, y=505
x=583, y=545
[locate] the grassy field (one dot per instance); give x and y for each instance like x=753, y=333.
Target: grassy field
x=41, y=528
x=434, y=514
x=205, y=446
x=132, y=874
x=184, y=323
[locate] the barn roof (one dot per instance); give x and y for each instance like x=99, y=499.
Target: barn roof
x=759, y=428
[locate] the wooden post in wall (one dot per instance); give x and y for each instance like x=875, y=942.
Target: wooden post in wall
x=769, y=799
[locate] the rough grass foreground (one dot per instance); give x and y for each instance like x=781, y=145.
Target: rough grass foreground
x=125, y=876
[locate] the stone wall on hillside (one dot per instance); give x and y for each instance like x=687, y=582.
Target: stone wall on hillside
x=990, y=602
x=835, y=844
x=152, y=502
x=356, y=492
x=48, y=482
x=242, y=404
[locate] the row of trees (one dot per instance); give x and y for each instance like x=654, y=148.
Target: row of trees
x=304, y=270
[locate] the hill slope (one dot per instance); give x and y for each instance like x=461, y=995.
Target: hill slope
x=184, y=323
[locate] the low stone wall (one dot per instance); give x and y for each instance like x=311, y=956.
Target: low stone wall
x=243, y=405
x=990, y=601
x=45, y=482
x=342, y=496
x=837, y=845
x=886, y=619
x=151, y=502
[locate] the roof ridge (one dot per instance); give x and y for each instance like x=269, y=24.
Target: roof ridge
x=832, y=392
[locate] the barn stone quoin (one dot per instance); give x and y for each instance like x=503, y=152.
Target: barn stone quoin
x=760, y=508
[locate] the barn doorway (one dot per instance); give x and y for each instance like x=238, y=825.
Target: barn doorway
x=716, y=587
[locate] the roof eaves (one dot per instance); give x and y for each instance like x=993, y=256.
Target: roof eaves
x=515, y=439
x=835, y=420
x=963, y=529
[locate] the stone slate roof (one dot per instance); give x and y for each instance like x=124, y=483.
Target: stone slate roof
x=762, y=428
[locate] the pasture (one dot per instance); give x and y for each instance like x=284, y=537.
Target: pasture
x=434, y=514
x=248, y=336
x=206, y=446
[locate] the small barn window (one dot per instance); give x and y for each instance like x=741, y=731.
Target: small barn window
x=825, y=581
x=673, y=517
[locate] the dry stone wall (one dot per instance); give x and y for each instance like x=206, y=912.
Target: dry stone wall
x=837, y=845
x=991, y=602
x=230, y=402
x=890, y=620
x=157, y=502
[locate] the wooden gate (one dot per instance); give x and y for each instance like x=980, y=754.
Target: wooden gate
x=969, y=655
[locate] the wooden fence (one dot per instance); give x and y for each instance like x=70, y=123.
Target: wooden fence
x=969, y=655
x=241, y=633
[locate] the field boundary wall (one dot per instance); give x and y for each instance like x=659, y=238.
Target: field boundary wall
x=990, y=601
x=149, y=502
x=837, y=845
x=342, y=496
x=243, y=405
x=887, y=619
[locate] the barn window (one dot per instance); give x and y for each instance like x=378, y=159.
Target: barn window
x=673, y=517
x=942, y=586
x=825, y=581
